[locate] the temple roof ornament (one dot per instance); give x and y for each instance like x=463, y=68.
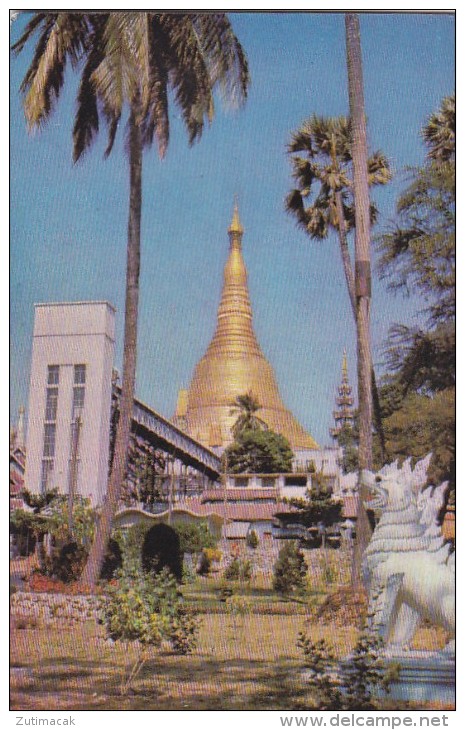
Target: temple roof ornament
x=234, y=364
x=344, y=413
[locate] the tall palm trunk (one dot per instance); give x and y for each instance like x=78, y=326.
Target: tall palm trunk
x=362, y=275
x=94, y=563
x=350, y=280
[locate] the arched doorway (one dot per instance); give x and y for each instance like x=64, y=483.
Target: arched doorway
x=161, y=549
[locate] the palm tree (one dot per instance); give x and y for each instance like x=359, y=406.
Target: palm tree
x=325, y=143
x=439, y=132
x=129, y=61
x=362, y=274
x=246, y=406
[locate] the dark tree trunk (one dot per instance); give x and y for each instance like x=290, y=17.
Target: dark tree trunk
x=94, y=563
x=362, y=274
x=350, y=280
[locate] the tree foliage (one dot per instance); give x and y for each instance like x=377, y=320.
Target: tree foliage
x=194, y=536
x=418, y=256
x=290, y=570
x=259, y=452
x=351, y=686
x=319, y=507
x=133, y=65
x=145, y=609
x=246, y=407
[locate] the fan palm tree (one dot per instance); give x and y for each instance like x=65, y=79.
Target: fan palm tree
x=128, y=63
x=247, y=406
x=325, y=143
x=439, y=132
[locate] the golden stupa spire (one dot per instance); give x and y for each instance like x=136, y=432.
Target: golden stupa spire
x=234, y=364
x=236, y=226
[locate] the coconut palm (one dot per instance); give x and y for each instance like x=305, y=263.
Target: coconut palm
x=321, y=159
x=439, y=132
x=128, y=63
x=246, y=406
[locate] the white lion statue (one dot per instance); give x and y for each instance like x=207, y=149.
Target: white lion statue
x=408, y=568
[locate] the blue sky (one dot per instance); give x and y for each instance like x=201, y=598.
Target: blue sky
x=68, y=223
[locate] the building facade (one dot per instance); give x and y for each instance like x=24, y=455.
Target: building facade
x=70, y=389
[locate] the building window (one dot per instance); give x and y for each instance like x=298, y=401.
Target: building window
x=79, y=375
x=47, y=468
x=51, y=404
x=49, y=440
x=53, y=375
x=50, y=417
x=78, y=402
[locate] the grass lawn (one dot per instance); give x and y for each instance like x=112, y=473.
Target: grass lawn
x=246, y=662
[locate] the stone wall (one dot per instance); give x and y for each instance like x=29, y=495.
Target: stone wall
x=47, y=607
x=324, y=566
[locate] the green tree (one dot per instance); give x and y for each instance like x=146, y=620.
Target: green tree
x=144, y=609
x=246, y=406
x=193, y=537
x=418, y=256
x=131, y=61
x=321, y=161
x=259, y=452
x=324, y=177
x=290, y=570
x=439, y=132
x=319, y=506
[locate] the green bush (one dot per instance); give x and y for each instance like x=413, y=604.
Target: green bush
x=207, y=557
x=146, y=608
x=290, y=570
x=193, y=537
x=238, y=570
x=226, y=589
x=348, y=686
x=252, y=539
x=67, y=563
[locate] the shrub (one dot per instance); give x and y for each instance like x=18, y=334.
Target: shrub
x=290, y=570
x=146, y=608
x=351, y=685
x=207, y=557
x=238, y=570
x=193, y=537
x=225, y=590
x=252, y=539
x=67, y=566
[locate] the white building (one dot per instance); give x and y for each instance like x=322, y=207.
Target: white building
x=68, y=431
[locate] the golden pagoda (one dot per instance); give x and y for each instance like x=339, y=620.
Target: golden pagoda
x=234, y=365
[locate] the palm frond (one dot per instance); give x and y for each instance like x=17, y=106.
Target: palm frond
x=224, y=56
x=62, y=37
x=36, y=21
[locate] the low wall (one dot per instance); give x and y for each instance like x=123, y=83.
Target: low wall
x=46, y=607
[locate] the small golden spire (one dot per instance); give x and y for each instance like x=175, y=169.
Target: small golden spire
x=236, y=226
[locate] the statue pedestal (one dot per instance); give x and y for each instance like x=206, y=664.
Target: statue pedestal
x=424, y=676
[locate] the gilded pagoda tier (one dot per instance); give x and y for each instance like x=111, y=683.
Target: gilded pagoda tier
x=234, y=365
